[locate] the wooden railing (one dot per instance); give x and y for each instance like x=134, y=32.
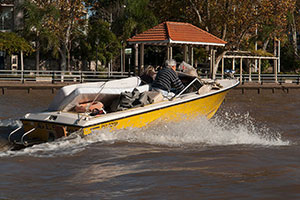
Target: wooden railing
x=59, y=76
x=92, y=76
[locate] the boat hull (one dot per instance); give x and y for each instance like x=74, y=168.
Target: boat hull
x=45, y=131
x=187, y=110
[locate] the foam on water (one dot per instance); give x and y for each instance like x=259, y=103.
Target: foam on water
x=10, y=122
x=203, y=132
x=228, y=129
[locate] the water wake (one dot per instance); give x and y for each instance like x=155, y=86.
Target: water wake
x=228, y=129
x=10, y=123
x=203, y=132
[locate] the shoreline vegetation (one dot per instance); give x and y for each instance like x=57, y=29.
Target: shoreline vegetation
x=72, y=35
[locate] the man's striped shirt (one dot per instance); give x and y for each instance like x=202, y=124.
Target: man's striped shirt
x=166, y=79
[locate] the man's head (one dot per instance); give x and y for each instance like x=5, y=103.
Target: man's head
x=171, y=63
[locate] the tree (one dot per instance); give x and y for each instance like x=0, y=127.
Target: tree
x=274, y=21
x=66, y=27
x=171, y=10
x=135, y=18
x=36, y=15
x=125, y=18
x=104, y=44
x=57, y=23
x=12, y=43
x=293, y=26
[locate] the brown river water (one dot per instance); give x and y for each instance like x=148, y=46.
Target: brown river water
x=249, y=150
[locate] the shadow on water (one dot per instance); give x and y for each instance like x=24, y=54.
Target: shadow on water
x=6, y=127
x=4, y=144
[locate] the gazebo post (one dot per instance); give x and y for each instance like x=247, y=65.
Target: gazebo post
x=171, y=52
x=278, y=55
x=191, y=50
x=241, y=70
x=233, y=64
x=168, y=51
x=22, y=67
x=259, y=71
x=275, y=70
x=185, y=53
x=210, y=62
x=213, y=57
x=223, y=68
x=136, y=63
x=141, y=59
x=275, y=61
x=250, y=73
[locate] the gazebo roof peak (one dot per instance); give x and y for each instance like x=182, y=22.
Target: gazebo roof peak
x=176, y=33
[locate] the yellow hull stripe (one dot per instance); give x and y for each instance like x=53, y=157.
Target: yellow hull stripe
x=200, y=107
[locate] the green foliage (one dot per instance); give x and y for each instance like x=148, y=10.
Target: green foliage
x=171, y=10
x=261, y=52
x=101, y=42
x=35, y=25
x=288, y=59
x=11, y=43
x=200, y=54
x=133, y=17
x=265, y=64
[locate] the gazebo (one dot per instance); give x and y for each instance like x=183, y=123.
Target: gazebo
x=174, y=33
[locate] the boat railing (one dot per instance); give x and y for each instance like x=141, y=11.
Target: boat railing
x=21, y=140
x=188, y=86
x=13, y=132
x=24, y=142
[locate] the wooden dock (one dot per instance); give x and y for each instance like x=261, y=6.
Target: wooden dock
x=244, y=88
x=29, y=86
x=273, y=87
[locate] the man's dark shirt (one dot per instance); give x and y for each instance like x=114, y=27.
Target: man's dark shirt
x=166, y=79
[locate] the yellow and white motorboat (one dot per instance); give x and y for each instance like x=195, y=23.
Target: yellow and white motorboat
x=62, y=119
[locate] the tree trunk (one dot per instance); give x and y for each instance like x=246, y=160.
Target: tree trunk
x=219, y=58
x=294, y=35
x=196, y=11
x=68, y=44
x=63, y=63
x=224, y=31
x=266, y=44
x=37, y=56
x=124, y=61
x=208, y=15
x=69, y=60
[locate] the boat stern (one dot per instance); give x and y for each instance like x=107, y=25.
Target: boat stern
x=42, y=127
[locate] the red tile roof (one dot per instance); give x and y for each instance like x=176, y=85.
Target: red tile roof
x=176, y=32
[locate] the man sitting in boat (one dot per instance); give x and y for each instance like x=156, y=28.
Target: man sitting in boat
x=167, y=79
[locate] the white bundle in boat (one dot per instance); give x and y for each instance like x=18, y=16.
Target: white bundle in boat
x=187, y=69
x=71, y=95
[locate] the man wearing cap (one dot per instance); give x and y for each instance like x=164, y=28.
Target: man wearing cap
x=167, y=79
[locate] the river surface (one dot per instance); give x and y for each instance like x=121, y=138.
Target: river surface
x=249, y=150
